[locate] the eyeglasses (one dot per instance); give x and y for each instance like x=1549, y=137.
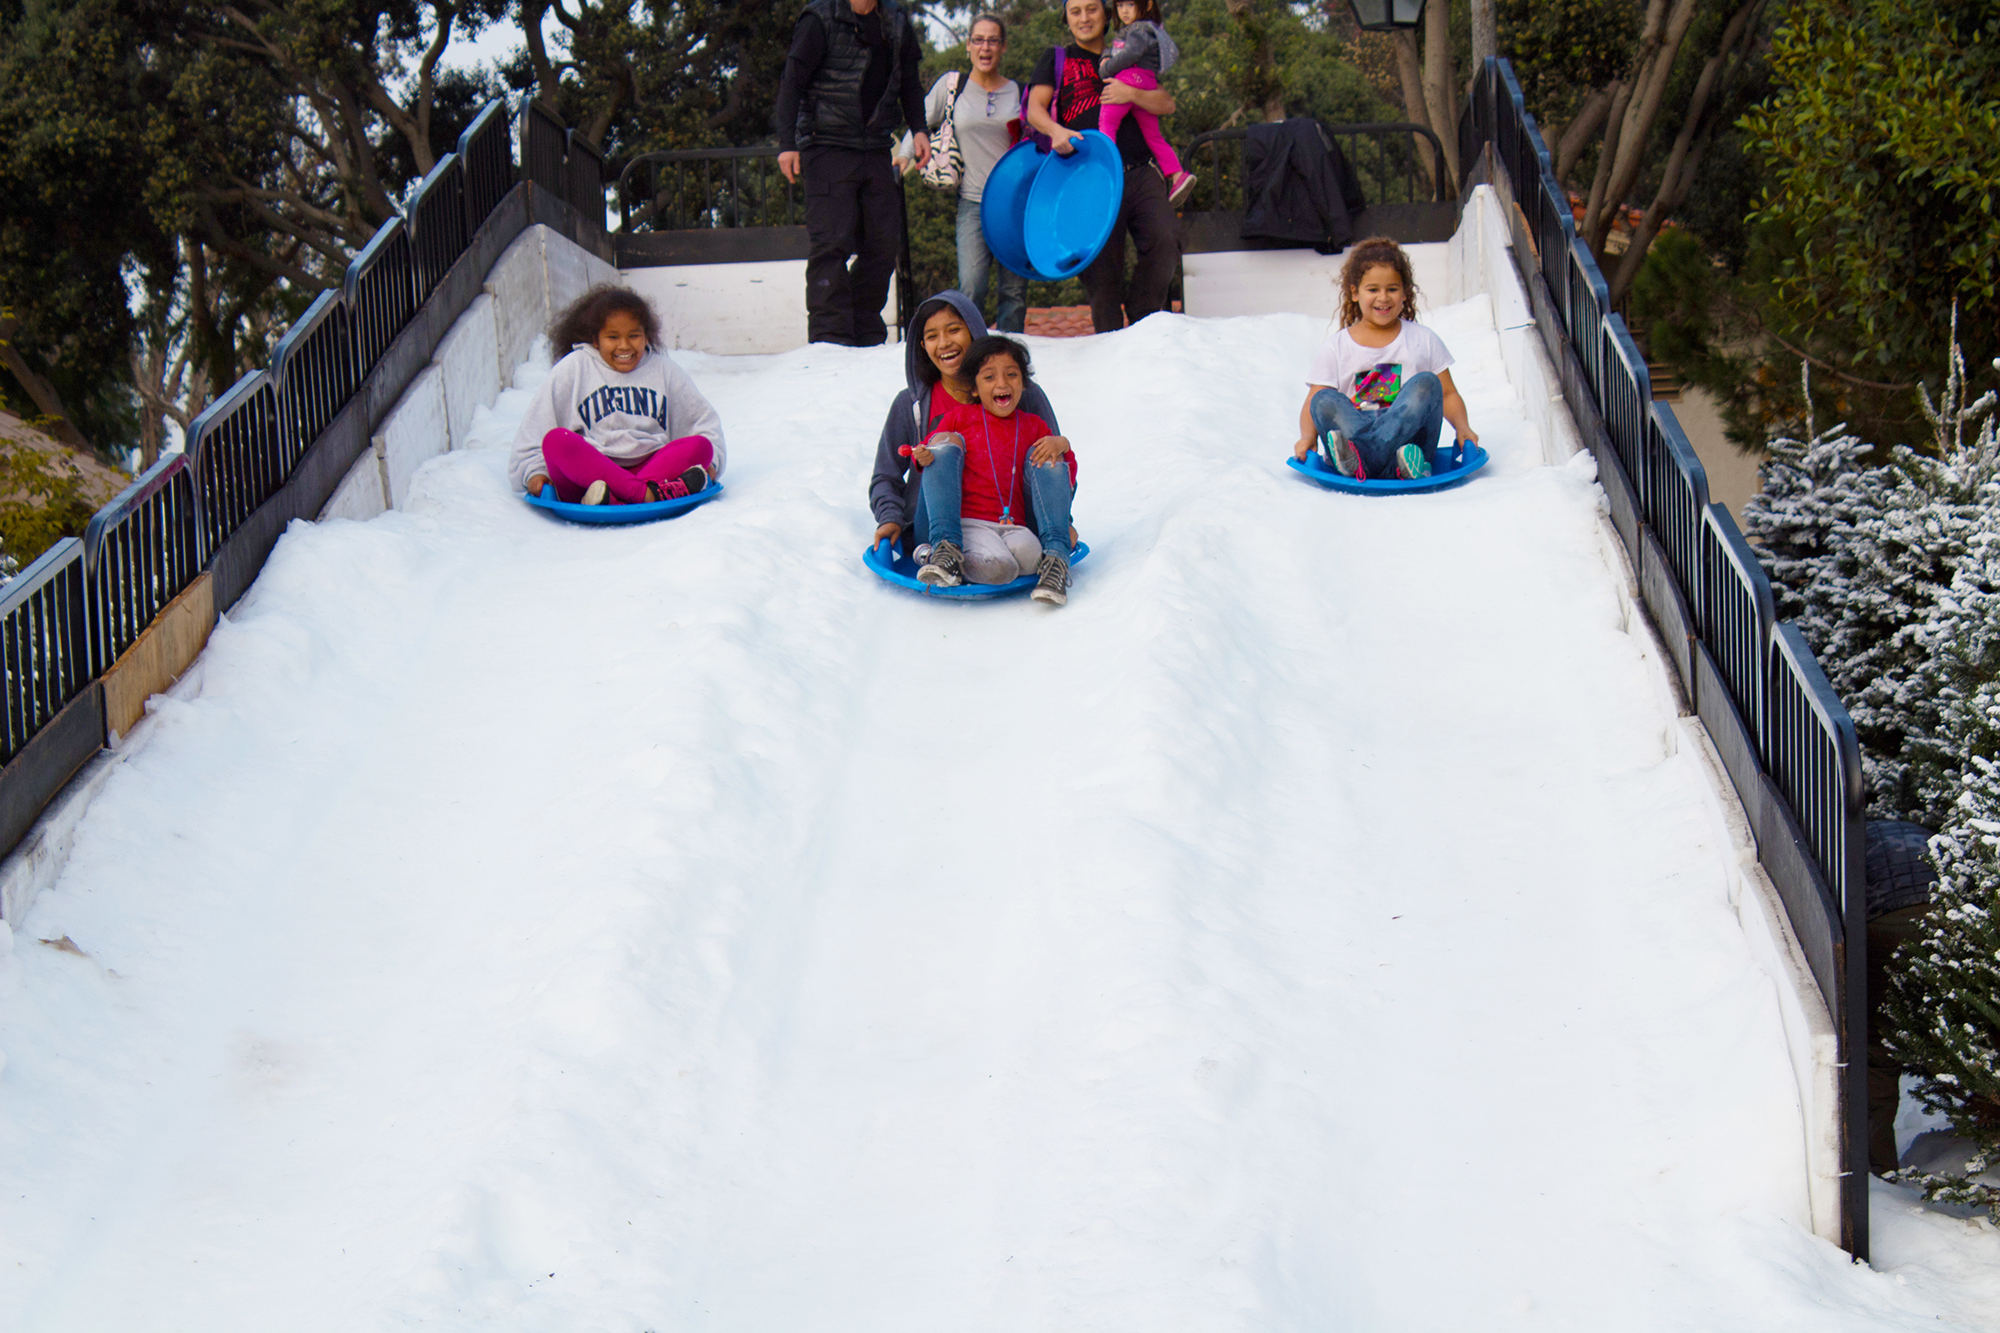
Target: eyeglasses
x=985, y=41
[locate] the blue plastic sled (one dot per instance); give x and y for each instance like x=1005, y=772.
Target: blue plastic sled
x=1047, y=215
x=617, y=515
x=1003, y=207
x=891, y=565
x=1072, y=206
x=1455, y=467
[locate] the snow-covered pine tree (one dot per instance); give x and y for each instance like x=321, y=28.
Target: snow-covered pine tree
x=1944, y=999
x=1944, y=1003
x=1950, y=699
x=1811, y=488
x=1859, y=556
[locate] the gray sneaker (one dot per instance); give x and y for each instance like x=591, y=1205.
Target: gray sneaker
x=945, y=568
x=1342, y=456
x=1052, y=579
x=595, y=493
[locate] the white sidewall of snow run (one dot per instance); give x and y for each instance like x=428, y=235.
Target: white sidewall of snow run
x=733, y=309
x=1299, y=282
x=468, y=362
x=1481, y=261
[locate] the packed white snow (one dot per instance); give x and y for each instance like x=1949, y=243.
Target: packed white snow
x=1314, y=925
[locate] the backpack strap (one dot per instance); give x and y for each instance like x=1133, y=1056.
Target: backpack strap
x=1042, y=142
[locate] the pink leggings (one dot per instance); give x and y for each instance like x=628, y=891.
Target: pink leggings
x=574, y=462
x=1112, y=114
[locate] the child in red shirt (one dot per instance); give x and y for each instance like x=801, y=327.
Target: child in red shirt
x=997, y=483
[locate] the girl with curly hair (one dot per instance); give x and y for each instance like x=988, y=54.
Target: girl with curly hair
x=616, y=421
x=1379, y=389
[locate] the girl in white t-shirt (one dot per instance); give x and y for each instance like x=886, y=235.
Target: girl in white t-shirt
x=1379, y=388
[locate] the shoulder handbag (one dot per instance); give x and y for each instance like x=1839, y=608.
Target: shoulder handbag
x=946, y=166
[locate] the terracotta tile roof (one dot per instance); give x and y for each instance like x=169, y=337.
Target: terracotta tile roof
x=1064, y=321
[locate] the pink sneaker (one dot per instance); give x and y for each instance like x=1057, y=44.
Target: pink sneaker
x=1179, y=187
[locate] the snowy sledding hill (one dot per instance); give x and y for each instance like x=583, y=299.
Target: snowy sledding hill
x=1312, y=926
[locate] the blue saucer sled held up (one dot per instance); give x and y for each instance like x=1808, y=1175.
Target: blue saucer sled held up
x=617, y=515
x=1454, y=467
x=1047, y=215
x=892, y=565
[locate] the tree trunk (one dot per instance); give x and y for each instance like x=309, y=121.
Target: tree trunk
x=532, y=13
x=47, y=400
x=1643, y=108
x=1677, y=179
x=1577, y=135
x=1441, y=88
x=1485, y=33
x=1262, y=90
x=1613, y=123
x=1410, y=74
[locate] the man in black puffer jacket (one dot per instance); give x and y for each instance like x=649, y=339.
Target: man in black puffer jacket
x=851, y=77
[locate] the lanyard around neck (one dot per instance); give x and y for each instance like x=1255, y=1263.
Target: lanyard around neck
x=1013, y=462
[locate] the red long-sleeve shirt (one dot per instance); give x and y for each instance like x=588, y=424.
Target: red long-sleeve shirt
x=996, y=460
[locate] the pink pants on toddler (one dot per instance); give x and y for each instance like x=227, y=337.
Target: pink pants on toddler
x=1112, y=114
x=574, y=462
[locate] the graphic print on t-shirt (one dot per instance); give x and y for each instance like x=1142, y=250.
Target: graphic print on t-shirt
x=1376, y=389
x=1082, y=92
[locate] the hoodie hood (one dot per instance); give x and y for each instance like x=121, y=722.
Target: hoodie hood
x=913, y=340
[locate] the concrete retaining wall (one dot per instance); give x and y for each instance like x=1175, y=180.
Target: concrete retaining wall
x=536, y=276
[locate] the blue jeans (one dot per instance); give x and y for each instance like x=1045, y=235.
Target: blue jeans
x=944, y=493
x=975, y=262
x=1416, y=417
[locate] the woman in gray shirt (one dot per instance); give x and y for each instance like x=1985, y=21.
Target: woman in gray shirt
x=986, y=116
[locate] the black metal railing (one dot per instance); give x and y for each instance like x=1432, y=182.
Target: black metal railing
x=316, y=373
x=1679, y=484
x=438, y=233
x=1737, y=612
x=1815, y=760
x=1589, y=300
x=725, y=205
x=241, y=455
x=705, y=188
x=381, y=291
x=488, y=155
x=544, y=148
x=1624, y=391
x=583, y=178
x=1386, y=157
x=72, y=612
x=140, y=552
x=44, y=643
x=1797, y=741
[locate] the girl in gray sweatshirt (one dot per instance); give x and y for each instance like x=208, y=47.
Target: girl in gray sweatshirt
x=616, y=421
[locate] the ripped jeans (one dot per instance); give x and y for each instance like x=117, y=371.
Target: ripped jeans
x=944, y=492
x=1415, y=417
